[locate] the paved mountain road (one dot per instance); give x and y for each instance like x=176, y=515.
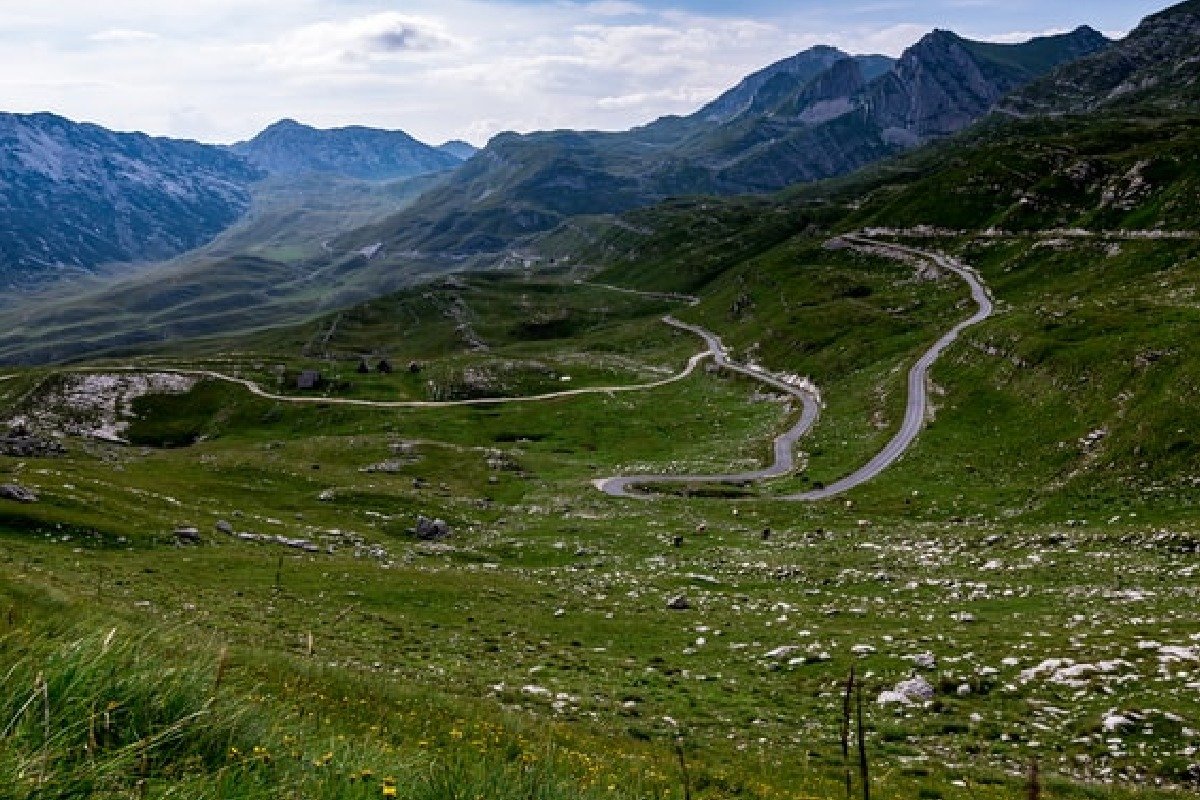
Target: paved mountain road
x=784, y=458
x=784, y=445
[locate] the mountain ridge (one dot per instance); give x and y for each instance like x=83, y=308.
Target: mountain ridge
x=288, y=147
x=521, y=185
x=1157, y=64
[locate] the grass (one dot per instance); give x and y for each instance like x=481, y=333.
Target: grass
x=547, y=584
x=114, y=714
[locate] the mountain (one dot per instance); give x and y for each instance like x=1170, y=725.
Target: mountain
x=944, y=82
x=289, y=148
x=816, y=115
x=1157, y=67
x=459, y=149
x=797, y=70
x=75, y=196
x=843, y=120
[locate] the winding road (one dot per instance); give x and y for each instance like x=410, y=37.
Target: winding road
x=784, y=458
x=258, y=391
x=783, y=461
x=784, y=445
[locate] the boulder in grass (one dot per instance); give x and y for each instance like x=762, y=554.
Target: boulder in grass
x=913, y=690
x=679, y=603
x=432, y=529
x=186, y=534
x=17, y=493
x=924, y=660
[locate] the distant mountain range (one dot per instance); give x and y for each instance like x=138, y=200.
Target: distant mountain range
x=75, y=196
x=816, y=115
x=820, y=113
x=290, y=149
x=459, y=149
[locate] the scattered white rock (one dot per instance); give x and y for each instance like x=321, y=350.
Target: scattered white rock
x=914, y=690
x=924, y=660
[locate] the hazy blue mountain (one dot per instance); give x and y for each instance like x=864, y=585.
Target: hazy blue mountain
x=289, y=148
x=75, y=196
x=459, y=149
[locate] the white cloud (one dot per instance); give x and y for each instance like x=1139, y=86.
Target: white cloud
x=357, y=42
x=614, y=8
x=123, y=35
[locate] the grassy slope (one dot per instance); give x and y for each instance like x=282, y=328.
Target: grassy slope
x=272, y=268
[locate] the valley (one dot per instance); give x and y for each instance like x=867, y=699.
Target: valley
x=836, y=439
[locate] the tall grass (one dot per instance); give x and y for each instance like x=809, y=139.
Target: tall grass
x=106, y=713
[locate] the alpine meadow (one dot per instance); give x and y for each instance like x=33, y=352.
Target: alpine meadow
x=836, y=438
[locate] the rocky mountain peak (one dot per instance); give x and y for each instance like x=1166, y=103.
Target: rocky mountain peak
x=1157, y=65
x=795, y=72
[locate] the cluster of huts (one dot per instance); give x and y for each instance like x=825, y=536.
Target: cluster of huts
x=313, y=379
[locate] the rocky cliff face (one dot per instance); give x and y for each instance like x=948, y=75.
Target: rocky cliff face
x=289, y=148
x=1157, y=66
x=791, y=72
x=75, y=196
x=944, y=82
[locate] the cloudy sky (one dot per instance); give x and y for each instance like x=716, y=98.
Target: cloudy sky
x=220, y=70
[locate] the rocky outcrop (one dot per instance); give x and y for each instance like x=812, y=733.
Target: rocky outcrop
x=21, y=446
x=1157, y=65
x=431, y=529
x=17, y=493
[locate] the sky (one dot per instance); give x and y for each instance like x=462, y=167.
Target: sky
x=221, y=70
